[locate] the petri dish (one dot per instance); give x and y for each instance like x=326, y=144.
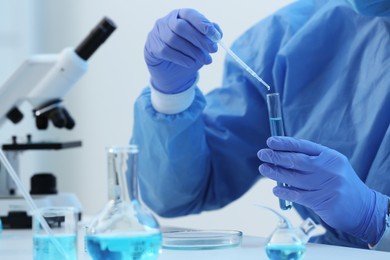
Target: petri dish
x=201, y=239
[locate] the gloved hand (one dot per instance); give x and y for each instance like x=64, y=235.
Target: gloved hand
x=177, y=47
x=323, y=180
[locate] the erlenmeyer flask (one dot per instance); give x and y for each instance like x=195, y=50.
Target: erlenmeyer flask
x=124, y=229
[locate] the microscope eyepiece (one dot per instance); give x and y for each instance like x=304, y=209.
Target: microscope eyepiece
x=96, y=37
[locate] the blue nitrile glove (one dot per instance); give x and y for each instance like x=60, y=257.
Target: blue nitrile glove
x=177, y=47
x=323, y=180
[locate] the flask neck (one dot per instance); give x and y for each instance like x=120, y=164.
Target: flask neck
x=122, y=173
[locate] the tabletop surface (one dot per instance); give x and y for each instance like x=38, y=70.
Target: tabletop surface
x=17, y=245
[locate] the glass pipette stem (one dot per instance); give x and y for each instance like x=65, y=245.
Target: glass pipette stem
x=31, y=204
x=243, y=64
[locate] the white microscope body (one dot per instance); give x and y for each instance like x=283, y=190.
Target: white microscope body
x=42, y=80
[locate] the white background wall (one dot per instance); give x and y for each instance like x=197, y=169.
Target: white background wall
x=102, y=101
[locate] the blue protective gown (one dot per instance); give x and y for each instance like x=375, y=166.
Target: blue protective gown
x=331, y=67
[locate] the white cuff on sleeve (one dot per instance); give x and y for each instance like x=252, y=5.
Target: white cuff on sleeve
x=384, y=242
x=172, y=103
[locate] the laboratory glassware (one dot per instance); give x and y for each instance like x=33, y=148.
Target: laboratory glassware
x=277, y=129
x=63, y=224
x=288, y=242
x=125, y=228
x=201, y=239
x=30, y=202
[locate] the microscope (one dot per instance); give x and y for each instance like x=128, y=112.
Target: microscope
x=43, y=80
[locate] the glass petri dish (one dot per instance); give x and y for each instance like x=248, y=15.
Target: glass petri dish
x=201, y=239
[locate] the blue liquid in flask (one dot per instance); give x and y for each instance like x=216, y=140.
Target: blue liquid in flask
x=285, y=252
x=142, y=247
x=44, y=248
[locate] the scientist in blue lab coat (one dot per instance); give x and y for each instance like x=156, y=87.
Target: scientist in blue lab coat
x=330, y=62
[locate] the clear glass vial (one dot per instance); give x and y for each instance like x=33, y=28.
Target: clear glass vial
x=124, y=229
x=277, y=129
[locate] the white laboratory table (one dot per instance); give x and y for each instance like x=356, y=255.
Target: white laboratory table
x=17, y=245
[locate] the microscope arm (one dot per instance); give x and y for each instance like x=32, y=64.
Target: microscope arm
x=22, y=81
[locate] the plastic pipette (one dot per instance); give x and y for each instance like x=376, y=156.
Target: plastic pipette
x=216, y=37
x=31, y=203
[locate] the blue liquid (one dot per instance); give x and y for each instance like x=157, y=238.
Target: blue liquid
x=276, y=125
x=146, y=247
x=285, y=252
x=44, y=248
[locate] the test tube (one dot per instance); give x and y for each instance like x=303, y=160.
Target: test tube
x=276, y=125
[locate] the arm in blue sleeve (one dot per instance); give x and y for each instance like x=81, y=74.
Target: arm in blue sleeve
x=173, y=159
x=202, y=158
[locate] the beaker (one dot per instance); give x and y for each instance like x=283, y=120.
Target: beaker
x=124, y=229
x=63, y=224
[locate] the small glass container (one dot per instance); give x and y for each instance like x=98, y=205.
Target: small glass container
x=124, y=229
x=289, y=243
x=285, y=244
x=201, y=239
x=63, y=226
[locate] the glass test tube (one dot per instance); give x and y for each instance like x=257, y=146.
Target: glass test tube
x=276, y=125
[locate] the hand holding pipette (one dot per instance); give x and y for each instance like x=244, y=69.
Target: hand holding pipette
x=179, y=45
x=176, y=48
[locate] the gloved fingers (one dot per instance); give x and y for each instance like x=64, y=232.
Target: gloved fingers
x=156, y=52
x=291, y=177
x=288, y=160
x=291, y=144
x=310, y=199
x=175, y=47
x=305, y=156
x=165, y=45
x=216, y=26
x=286, y=193
x=194, y=27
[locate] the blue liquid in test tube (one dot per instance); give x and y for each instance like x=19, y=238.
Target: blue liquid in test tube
x=276, y=125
